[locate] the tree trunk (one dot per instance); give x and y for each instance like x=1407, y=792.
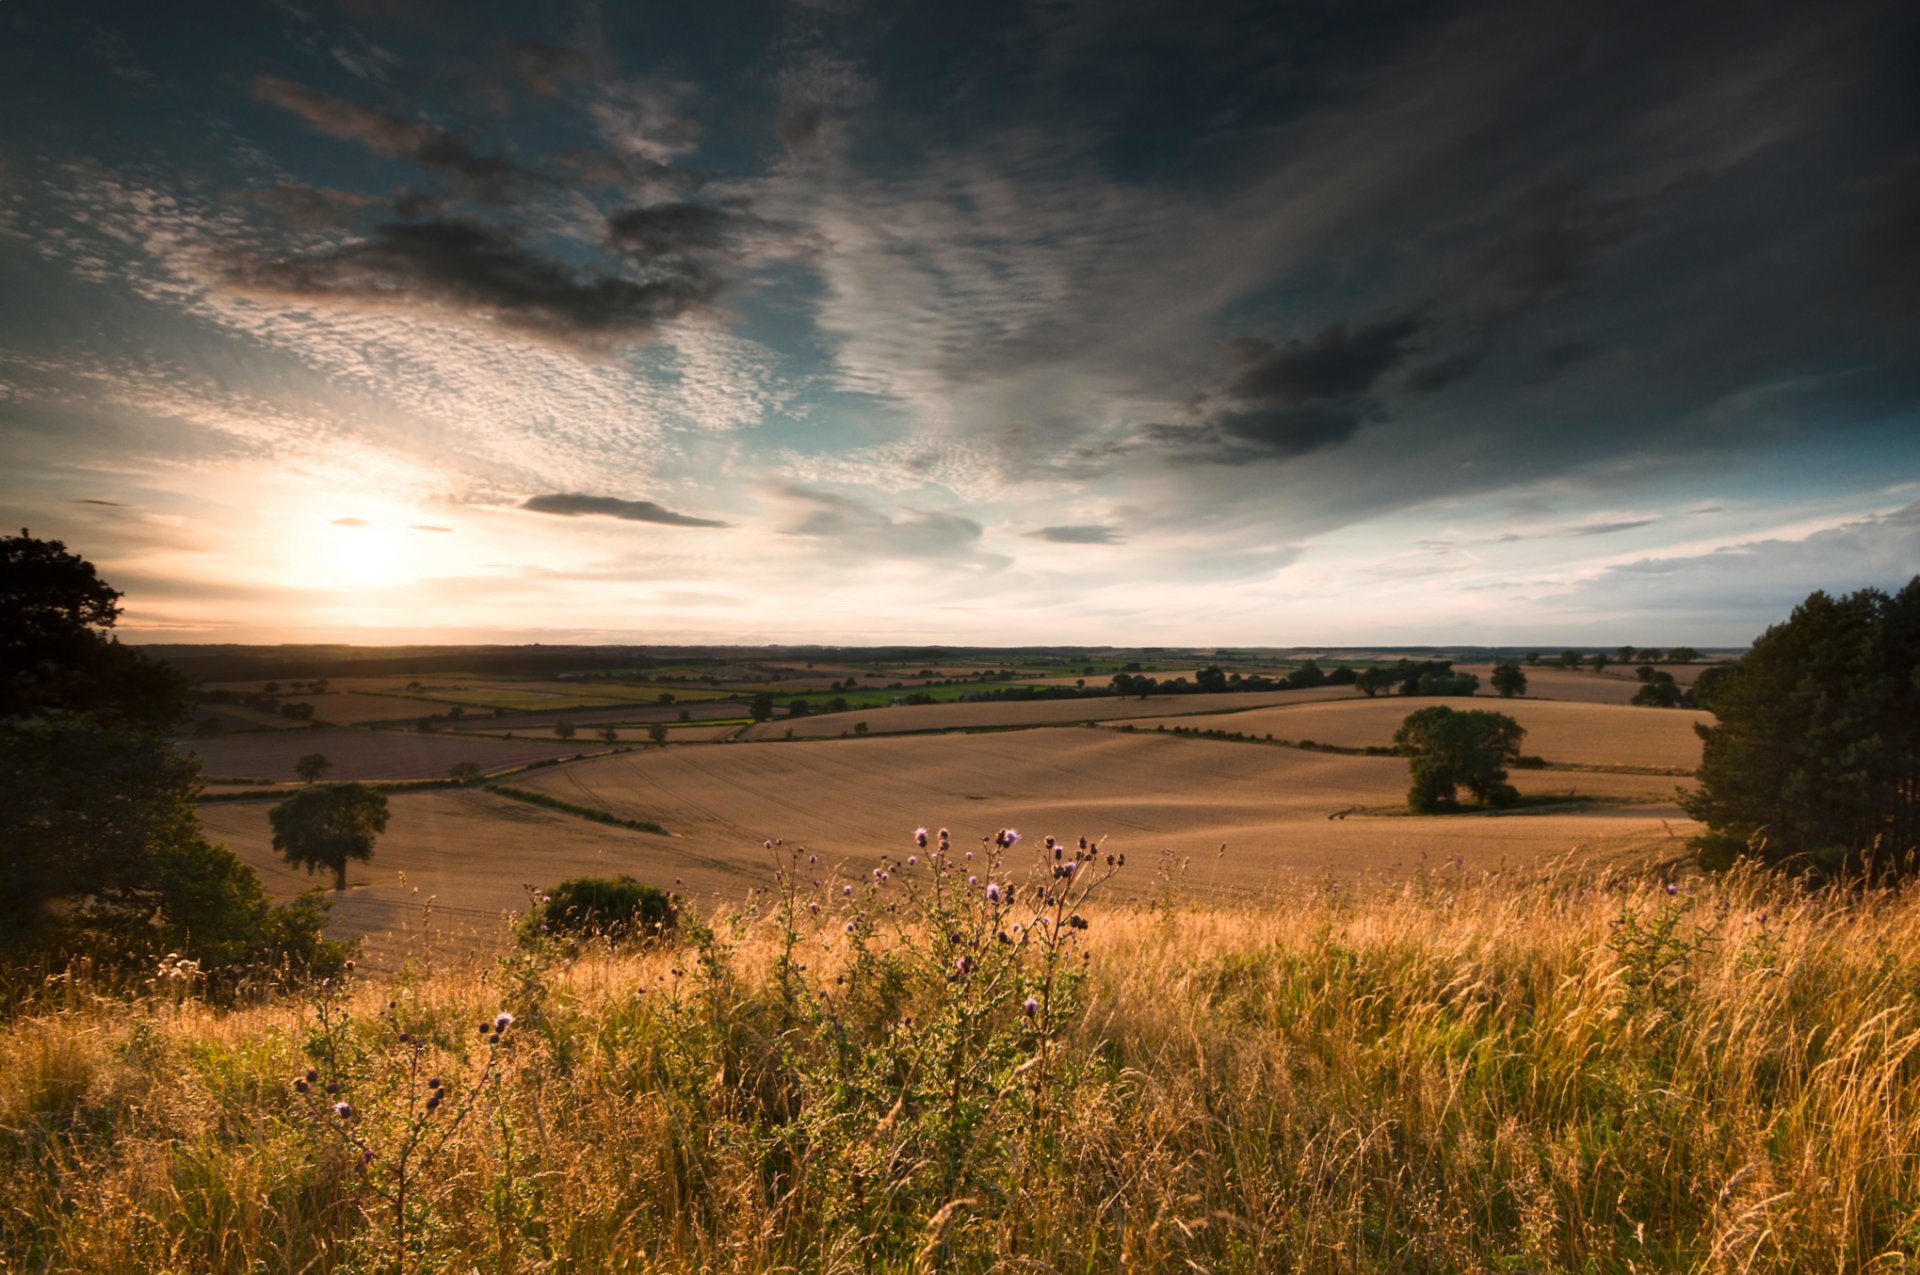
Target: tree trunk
x=340, y=875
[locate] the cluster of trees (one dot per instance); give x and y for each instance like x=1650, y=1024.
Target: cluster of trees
x=1450, y=749
x=261, y=701
x=103, y=852
x=1411, y=677
x=1214, y=680
x=1814, y=759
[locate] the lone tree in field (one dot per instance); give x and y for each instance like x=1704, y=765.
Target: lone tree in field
x=1509, y=680
x=1450, y=749
x=324, y=827
x=761, y=707
x=563, y=728
x=1569, y=658
x=657, y=732
x=312, y=766
x=1815, y=761
x=464, y=772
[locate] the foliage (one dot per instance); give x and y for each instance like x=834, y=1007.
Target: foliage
x=55, y=655
x=104, y=858
x=613, y=908
x=101, y=854
x=584, y=812
x=1814, y=762
x=1408, y=677
x=312, y=766
x=1447, y=1074
x=464, y=772
x=325, y=827
x=1449, y=749
x=1510, y=680
x=1658, y=690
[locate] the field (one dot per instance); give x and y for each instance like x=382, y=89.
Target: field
x=365, y=754
x=1581, y=734
x=1454, y=1074
x=462, y=856
x=1280, y=813
x=1004, y=714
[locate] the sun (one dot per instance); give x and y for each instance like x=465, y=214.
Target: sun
x=360, y=558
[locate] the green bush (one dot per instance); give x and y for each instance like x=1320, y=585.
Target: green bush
x=611, y=907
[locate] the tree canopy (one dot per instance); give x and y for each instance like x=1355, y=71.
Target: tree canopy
x=1510, y=680
x=1450, y=749
x=1814, y=761
x=324, y=827
x=101, y=850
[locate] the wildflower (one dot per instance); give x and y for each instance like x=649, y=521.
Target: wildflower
x=433, y=1102
x=1032, y=1007
x=812, y=859
x=913, y=860
x=766, y=845
x=313, y=1075
x=349, y=967
x=433, y=1082
x=973, y=881
x=847, y=891
x=300, y=1084
x=1672, y=889
x=849, y=927
x=1009, y=838
x=920, y=837
x=964, y=966
x=813, y=907
x=504, y=1021
x=342, y=1110
x=993, y=892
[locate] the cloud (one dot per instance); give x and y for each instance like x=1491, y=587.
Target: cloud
x=573, y=505
x=1439, y=374
x=542, y=67
x=425, y=526
x=351, y=522
x=857, y=527
x=1079, y=534
x=110, y=504
x=494, y=178
x=482, y=275
x=1339, y=362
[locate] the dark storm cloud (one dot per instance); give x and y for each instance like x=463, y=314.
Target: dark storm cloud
x=494, y=178
x=1433, y=377
x=574, y=505
x=675, y=229
x=1287, y=400
x=472, y=271
x=1079, y=534
x=1339, y=362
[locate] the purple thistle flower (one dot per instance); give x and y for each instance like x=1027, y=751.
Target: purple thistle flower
x=503, y=1021
x=847, y=891
x=849, y=927
x=1032, y=1007
x=1672, y=889
x=342, y=1110
x=920, y=837
x=973, y=881
x=913, y=860
x=1012, y=837
x=993, y=892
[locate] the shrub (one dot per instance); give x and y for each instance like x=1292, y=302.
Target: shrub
x=601, y=907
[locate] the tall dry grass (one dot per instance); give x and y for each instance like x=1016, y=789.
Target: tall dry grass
x=1441, y=1075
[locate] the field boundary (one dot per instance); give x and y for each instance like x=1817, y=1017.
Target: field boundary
x=582, y=812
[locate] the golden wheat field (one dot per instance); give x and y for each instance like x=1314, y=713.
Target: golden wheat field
x=1018, y=713
x=1590, y=734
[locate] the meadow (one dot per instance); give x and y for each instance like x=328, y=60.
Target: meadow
x=1538, y=1070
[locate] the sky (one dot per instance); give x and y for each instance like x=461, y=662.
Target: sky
x=1080, y=322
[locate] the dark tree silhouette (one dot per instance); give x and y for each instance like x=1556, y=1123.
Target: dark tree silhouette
x=1449, y=749
x=324, y=827
x=1814, y=762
